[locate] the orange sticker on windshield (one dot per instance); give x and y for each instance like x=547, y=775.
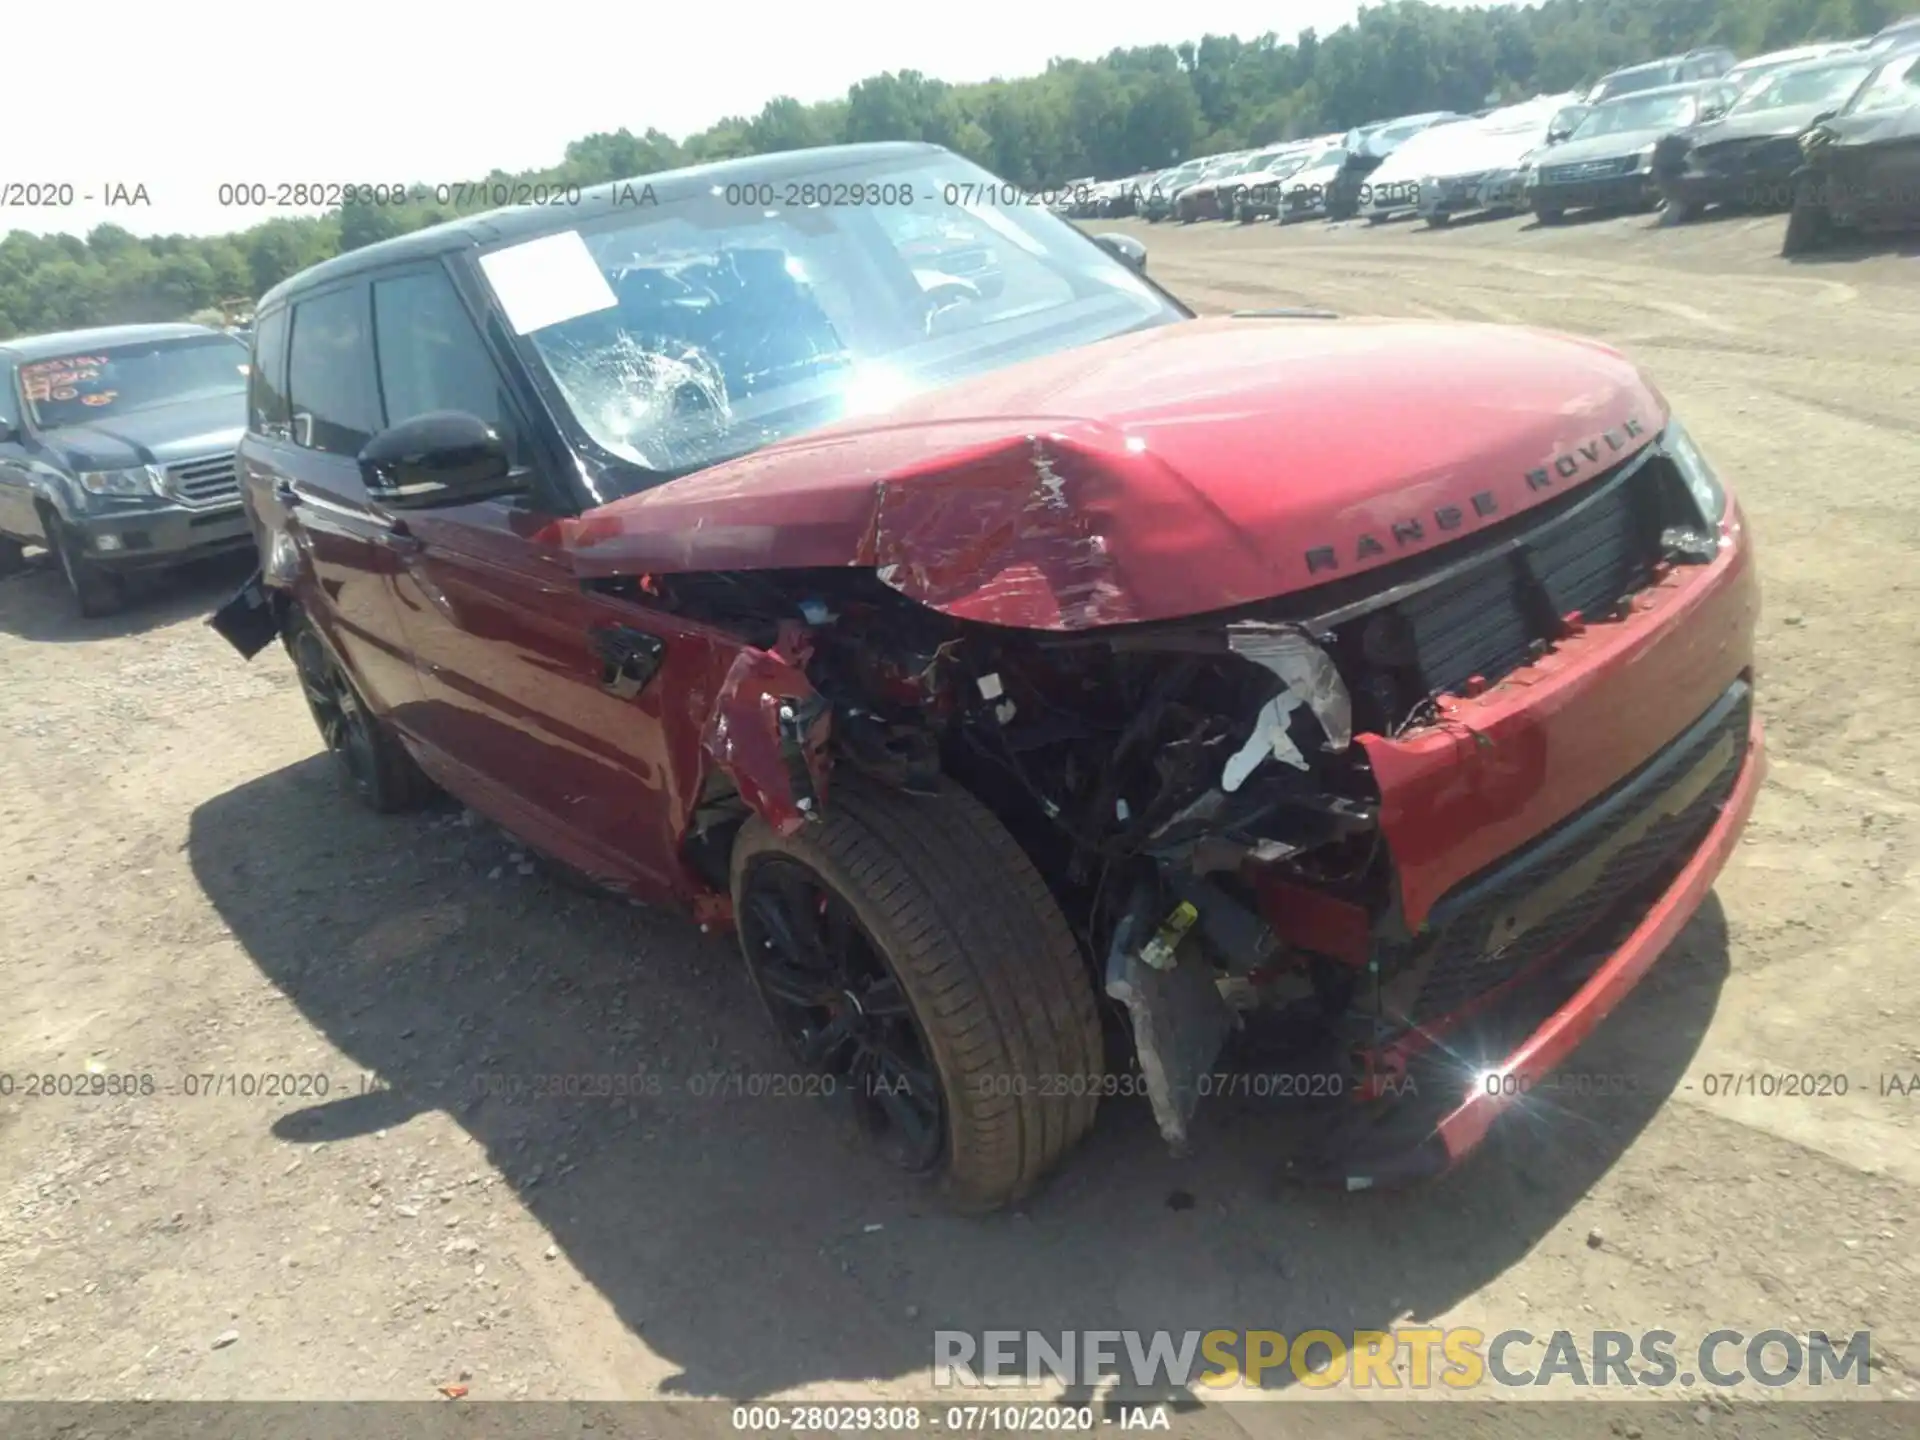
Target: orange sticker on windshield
x=100, y=397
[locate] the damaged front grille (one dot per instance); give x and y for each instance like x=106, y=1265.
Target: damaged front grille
x=1498, y=926
x=1489, y=614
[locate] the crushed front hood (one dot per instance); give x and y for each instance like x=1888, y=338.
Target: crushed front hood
x=1175, y=471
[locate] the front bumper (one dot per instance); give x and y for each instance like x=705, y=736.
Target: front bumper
x=1551, y=837
x=154, y=536
x=1464, y=194
x=1617, y=192
x=1760, y=189
x=1391, y=1154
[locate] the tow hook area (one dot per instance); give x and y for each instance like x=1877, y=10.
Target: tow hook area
x=768, y=733
x=1180, y=1019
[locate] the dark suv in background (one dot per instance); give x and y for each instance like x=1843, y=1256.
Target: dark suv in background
x=1708, y=63
x=117, y=451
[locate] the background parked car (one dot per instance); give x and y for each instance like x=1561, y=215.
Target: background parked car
x=1213, y=169
x=1262, y=192
x=1708, y=63
x=1365, y=154
x=1167, y=188
x=1307, y=192
x=1608, y=162
x=117, y=451
x=1749, y=155
x=1862, y=169
x=1749, y=71
x=1477, y=166
x=1896, y=36
x=1213, y=197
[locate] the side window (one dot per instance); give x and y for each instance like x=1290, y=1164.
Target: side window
x=431, y=356
x=267, y=410
x=9, y=404
x=330, y=384
x=1893, y=87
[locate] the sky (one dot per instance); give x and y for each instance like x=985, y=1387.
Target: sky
x=180, y=99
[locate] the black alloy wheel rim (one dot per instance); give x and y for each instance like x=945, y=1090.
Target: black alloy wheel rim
x=342, y=720
x=841, y=1010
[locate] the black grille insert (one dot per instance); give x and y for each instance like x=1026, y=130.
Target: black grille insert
x=1485, y=618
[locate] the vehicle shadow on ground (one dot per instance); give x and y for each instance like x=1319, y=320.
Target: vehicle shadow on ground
x=744, y=1237
x=37, y=605
x=1854, y=249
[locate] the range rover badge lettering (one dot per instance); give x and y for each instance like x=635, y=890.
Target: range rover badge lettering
x=1582, y=460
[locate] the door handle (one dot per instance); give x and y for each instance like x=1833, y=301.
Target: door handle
x=397, y=537
x=628, y=659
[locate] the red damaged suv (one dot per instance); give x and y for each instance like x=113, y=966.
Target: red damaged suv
x=1060, y=695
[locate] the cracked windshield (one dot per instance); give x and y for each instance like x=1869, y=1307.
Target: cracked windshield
x=720, y=326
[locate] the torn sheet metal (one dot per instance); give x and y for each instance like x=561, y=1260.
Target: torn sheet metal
x=1304, y=668
x=768, y=733
x=1180, y=1022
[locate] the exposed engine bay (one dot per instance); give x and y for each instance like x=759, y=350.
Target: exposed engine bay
x=1193, y=791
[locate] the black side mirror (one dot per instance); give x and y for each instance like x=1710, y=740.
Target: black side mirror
x=445, y=457
x=1124, y=248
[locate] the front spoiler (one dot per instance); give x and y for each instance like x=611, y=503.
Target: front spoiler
x=1366, y=1164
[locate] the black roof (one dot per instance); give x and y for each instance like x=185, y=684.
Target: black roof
x=530, y=221
x=68, y=342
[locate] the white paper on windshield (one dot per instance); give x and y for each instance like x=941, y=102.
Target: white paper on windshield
x=543, y=282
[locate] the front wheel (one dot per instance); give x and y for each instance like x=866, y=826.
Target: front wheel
x=372, y=761
x=1550, y=216
x=12, y=559
x=907, y=948
x=96, y=591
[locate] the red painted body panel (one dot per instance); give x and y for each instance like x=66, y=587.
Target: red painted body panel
x=1174, y=471
x=1508, y=765
x=1554, y=1041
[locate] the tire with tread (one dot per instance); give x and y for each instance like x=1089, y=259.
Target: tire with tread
x=993, y=975
x=388, y=780
x=96, y=592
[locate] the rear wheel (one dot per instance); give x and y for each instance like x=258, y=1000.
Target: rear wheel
x=371, y=758
x=12, y=558
x=95, y=590
x=1550, y=216
x=905, y=947
x=1679, y=212
x=1439, y=220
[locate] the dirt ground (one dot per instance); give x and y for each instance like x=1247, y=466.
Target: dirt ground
x=188, y=893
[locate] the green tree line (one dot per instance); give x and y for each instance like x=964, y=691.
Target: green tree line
x=1133, y=110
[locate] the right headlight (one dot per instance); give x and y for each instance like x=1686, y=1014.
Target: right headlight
x=138, y=480
x=1701, y=482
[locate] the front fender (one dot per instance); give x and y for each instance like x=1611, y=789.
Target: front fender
x=768, y=733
